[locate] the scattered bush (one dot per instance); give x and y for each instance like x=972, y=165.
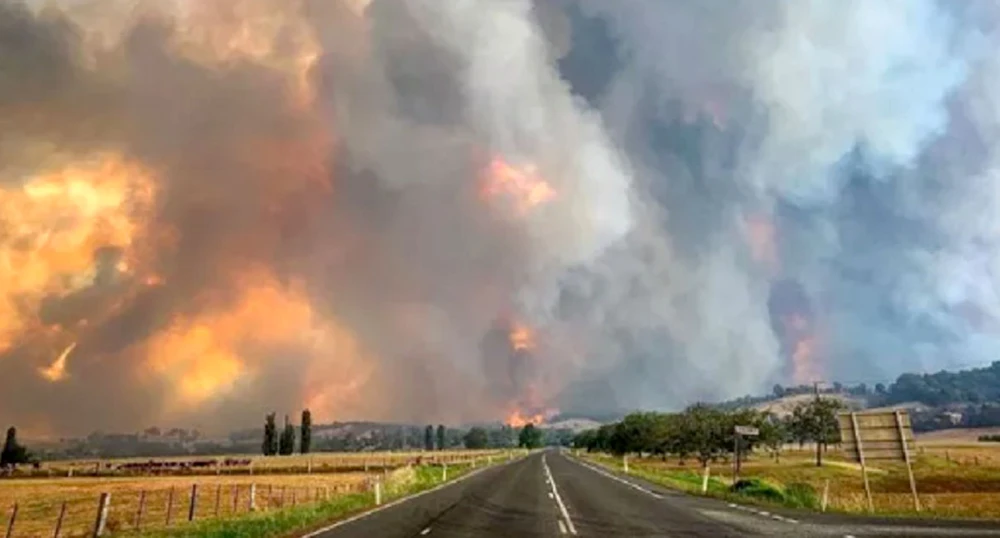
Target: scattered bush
x=758, y=489
x=989, y=438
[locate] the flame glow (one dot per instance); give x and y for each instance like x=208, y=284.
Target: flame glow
x=522, y=337
x=57, y=370
x=802, y=342
x=54, y=225
x=522, y=186
x=209, y=355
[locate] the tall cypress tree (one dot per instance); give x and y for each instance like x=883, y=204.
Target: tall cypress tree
x=286, y=444
x=429, y=437
x=13, y=453
x=441, y=436
x=305, y=432
x=270, y=445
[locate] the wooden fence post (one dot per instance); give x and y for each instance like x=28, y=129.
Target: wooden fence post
x=826, y=496
x=59, y=521
x=139, y=511
x=281, y=501
x=252, y=501
x=193, y=507
x=170, y=505
x=102, y=514
x=218, y=498
x=236, y=498
x=10, y=522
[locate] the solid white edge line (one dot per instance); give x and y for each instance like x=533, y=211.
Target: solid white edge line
x=555, y=491
x=562, y=526
x=425, y=532
x=397, y=502
x=644, y=490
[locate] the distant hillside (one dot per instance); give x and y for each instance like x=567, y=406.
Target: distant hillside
x=782, y=407
x=938, y=401
x=975, y=386
x=574, y=424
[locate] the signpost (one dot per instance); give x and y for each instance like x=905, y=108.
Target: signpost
x=878, y=435
x=738, y=433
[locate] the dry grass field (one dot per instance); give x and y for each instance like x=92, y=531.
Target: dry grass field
x=958, y=479
x=166, y=500
x=40, y=500
x=323, y=462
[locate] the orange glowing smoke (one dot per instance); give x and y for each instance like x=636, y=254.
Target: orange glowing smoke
x=523, y=187
x=522, y=337
x=803, y=368
x=265, y=32
x=52, y=225
x=211, y=354
x=761, y=236
x=803, y=343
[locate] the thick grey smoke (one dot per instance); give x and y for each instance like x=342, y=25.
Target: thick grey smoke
x=866, y=140
x=740, y=193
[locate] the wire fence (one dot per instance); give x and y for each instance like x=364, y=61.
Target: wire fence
x=147, y=509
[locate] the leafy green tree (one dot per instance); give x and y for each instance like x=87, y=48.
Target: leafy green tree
x=305, y=432
x=703, y=433
x=429, y=438
x=286, y=444
x=441, y=437
x=816, y=421
x=476, y=439
x=773, y=435
x=13, y=452
x=270, y=445
x=530, y=437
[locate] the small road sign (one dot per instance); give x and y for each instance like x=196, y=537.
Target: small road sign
x=747, y=430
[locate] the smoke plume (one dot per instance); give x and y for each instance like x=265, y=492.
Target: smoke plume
x=470, y=210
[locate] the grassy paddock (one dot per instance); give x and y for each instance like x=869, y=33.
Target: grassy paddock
x=280, y=499
x=320, y=462
x=960, y=481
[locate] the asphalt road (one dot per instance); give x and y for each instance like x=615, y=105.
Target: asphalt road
x=550, y=494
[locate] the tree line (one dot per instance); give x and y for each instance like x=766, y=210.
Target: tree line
x=283, y=443
x=706, y=433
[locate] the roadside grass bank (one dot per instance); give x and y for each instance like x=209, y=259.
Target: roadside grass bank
x=946, y=488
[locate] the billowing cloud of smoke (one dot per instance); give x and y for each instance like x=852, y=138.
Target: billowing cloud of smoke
x=314, y=230
x=308, y=223
x=865, y=143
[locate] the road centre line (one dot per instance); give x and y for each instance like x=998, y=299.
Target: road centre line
x=555, y=492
